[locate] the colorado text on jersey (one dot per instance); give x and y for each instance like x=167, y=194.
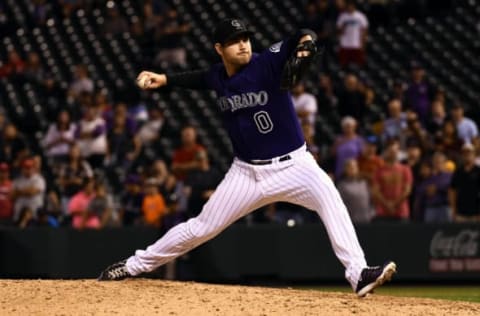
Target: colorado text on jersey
x=244, y=100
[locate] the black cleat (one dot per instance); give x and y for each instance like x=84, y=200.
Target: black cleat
x=373, y=277
x=115, y=272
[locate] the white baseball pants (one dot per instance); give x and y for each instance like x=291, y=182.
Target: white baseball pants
x=247, y=187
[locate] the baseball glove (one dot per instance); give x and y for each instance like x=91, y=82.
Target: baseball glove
x=296, y=66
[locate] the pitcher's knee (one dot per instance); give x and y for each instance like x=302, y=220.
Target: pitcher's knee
x=198, y=228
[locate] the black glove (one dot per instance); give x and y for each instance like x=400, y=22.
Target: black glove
x=296, y=67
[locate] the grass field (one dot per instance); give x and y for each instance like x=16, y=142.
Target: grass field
x=448, y=292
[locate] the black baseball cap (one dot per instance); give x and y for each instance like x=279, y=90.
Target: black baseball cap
x=228, y=29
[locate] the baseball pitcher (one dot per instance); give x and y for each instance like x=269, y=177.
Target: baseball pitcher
x=271, y=161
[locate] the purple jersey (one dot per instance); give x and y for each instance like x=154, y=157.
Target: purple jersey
x=259, y=117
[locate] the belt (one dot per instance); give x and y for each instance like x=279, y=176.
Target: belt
x=267, y=161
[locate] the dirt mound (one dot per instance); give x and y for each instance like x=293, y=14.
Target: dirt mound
x=155, y=297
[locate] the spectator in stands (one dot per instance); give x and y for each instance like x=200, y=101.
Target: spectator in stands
x=153, y=206
x=435, y=191
x=72, y=175
x=351, y=101
x=91, y=136
x=305, y=104
x=415, y=132
x=81, y=82
x=13, y=147
x=418, y=93
x=60, y=137
x=175, y=200
x=168, y=35
x=120, y=112
x=352, y=28
x=466, y=128
x=355, y=193
x=150, y=130
x=123, y=145
x=437, y=118
x=413, y=158
x=28, y=190
x=347, y=146
x=369, y=161
x=14, y=66
x=102, y=207
x=78, y=206
x=417, y=207
x=115, y=23
x=448, y=141
x=6, y=206
x=131, y=201
x=392, y=186
x=200, y=185
x=396, y=123
x=464, y=188
x=189, y=156
x=34, y=71
x=307, y=130
x=327, y=99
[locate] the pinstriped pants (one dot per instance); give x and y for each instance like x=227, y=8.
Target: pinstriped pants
x=247, y=187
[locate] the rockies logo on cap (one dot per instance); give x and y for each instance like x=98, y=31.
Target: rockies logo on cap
x=236, y=24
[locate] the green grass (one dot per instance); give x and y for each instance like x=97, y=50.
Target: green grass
x=447, y=292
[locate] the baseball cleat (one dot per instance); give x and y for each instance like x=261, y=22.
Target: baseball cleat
x=373, y=277
x=115, y=272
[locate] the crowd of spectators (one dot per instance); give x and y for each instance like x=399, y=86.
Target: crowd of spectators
x=414, y=158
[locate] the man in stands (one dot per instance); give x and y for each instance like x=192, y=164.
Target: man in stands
x=189, y=156
x=467, y=129
x=352, y=27
x=28, y=189
x=392, y=185
x=464, y=188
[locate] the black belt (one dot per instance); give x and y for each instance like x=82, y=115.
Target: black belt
x=267, y=161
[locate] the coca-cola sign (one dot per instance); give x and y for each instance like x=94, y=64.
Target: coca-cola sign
x=461, y=244
x=455, y=252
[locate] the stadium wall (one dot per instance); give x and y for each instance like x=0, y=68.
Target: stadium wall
x=242, y=253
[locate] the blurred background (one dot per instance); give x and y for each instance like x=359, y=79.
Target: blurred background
x=92, y=168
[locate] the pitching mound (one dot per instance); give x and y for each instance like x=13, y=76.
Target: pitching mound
x=154, y=297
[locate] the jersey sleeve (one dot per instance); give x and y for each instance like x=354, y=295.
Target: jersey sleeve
x=196, y=79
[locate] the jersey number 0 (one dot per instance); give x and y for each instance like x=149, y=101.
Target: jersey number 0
x=263, y=122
